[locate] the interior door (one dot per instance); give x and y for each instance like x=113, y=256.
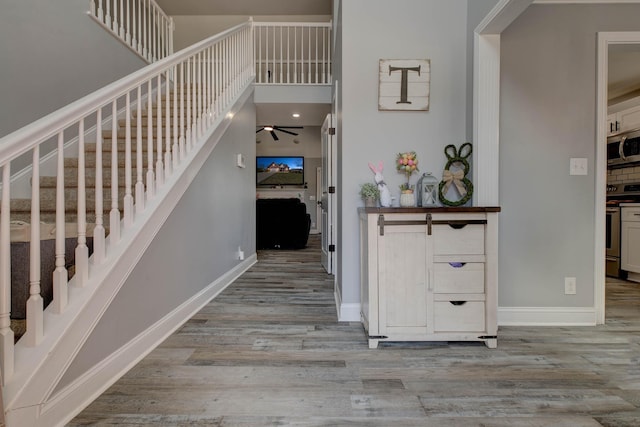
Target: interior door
x=327, y=201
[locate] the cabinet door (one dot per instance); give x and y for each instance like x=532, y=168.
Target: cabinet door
x=402, y=272
x=630, y=246
x=629, y=118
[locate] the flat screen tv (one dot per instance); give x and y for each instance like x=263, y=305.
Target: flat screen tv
x=277, y=171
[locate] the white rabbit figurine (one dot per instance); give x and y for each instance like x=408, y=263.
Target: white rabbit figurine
x=385, y=194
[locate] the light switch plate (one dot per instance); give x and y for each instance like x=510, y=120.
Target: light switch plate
x=578, y=166
x=240, y=161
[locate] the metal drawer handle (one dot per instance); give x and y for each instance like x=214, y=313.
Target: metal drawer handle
x=457, y=264
x=458, y=302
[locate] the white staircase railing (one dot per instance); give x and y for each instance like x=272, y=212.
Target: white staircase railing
x=139, y=24
x=157, y=116
x=293, y=53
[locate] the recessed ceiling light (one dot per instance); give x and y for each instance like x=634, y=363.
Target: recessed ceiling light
x=296, y=115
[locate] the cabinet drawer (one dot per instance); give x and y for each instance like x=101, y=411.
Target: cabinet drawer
x=458, y=278
x=458, y=316
x=630, y=214
x=466, y=240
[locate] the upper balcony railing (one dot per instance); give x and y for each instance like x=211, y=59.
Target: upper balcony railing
x=293, y=53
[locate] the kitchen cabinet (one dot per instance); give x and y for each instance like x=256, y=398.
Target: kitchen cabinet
x=630, y=238
x=624, y=120
x=429, y=274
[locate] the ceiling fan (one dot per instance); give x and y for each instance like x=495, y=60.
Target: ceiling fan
x=273, y=128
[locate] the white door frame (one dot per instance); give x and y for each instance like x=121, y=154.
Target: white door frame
x=604, y=40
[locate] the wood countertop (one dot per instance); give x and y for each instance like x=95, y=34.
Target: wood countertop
x=437, y=209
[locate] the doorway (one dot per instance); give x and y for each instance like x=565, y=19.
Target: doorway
x=608, y=42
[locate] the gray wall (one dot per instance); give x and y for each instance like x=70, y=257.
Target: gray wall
x=196, y=245
x=431, y=29
x=548, y=112
x=52, y=54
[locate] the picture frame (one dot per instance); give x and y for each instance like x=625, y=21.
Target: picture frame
x=404, y=84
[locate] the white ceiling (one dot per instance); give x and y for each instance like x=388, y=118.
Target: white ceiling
x=281, y=114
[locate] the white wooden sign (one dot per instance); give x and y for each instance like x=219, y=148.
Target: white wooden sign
x=404, y=84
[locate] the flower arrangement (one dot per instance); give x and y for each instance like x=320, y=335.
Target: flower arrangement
x=407, y=163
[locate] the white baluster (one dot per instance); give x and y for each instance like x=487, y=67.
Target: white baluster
x=171, y=31
x=150, y=173
x=60, y=274
x=128, y=27
x=6, y=333
x=145, y=44
x=188, y=134
x=159, y=164
x=122, y=33
x=107, y=15
x=175, y=150
x=35, y=304
x=258, y=55
x=135, y=17
x=100, y=11
x=295, y=54
x=114, y=23
x=194, y=100
x=114, y=213
x=127, y=204
x=99, y=231
x=199, y=97
x=181, y=141
x=82, y=251
x=139, y=156
x=309, y=55
x=168, y=165
x=316, y=61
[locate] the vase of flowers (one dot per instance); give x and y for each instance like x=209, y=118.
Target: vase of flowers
x=407, y=163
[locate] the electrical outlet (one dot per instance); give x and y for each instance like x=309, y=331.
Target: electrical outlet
x=570, y=285
x=240, y=253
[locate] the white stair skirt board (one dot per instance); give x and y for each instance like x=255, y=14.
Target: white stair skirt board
x=77, y=395
x=546, y=316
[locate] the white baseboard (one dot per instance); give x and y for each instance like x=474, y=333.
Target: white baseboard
x=546, y=316
x=76, y=396
x=346, y=312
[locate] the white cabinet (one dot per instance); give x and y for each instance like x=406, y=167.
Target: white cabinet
x=429, y=274
x=624, y=120
x=630, y=239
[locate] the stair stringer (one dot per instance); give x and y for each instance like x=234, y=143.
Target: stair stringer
x=28, y=394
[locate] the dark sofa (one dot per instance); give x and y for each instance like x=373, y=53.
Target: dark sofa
x=282, y=224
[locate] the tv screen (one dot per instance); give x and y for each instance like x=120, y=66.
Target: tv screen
x=283, y=170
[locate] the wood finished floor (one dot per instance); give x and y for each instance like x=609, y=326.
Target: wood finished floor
x=269, y=352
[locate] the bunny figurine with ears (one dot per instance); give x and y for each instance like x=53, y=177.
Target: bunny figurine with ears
x=385, y=194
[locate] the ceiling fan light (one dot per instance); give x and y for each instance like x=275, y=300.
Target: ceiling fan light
x=296, y=115
x=268, y=128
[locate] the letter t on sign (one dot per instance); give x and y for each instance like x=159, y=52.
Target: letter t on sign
x=404, y=84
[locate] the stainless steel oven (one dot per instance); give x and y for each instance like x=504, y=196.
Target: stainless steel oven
x=613, y=242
